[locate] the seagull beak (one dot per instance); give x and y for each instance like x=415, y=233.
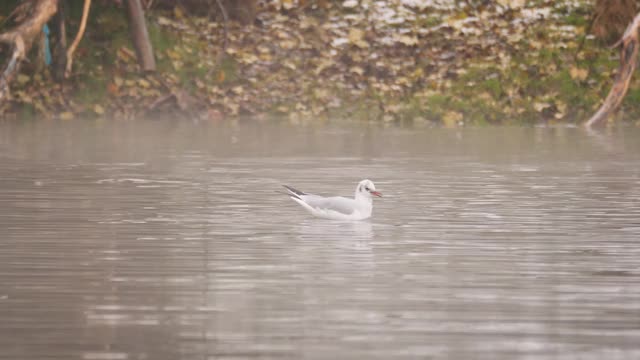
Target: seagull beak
x=373, y=192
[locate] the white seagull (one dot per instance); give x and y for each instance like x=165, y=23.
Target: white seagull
x=338, y=207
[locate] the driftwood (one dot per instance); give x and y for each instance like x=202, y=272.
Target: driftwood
x=183, y=99
x=21, y=38
x=628, y=58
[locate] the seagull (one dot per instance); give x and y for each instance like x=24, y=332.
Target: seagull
x=338, y=207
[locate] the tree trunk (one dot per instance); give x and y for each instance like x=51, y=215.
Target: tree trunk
x=140, y=36
x=60, y=50
x=21, y=38
x=243, y=11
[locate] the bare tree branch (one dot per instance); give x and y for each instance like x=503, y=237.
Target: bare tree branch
x=76, y=41
x=628, y=59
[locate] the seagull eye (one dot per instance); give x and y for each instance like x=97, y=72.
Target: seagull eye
x=366, y=188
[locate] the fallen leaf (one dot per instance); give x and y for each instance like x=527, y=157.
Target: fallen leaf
x=356, y=37
x=577, y=73
x=539, y=106
x=178, y=13
x=144, y=83
x=407, y=40
x=350, y=4
x=357, y=70
x=23, y=79
x=287, y=4
x=512, y=4
x=67, y=115
x=451, y=119
x=320, y=93
x=324, y=64
x=287, y=44
x=289, y=65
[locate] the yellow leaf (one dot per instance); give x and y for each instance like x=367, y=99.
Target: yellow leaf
x=133, y=92
x=562, y=107
x=350, y=4
x=417, y=74
x=287, y=4
x=512, y=4
x=40, y=107
x=23, y=96
x=356, y=37
x=173, y=54
x=319, y=93
x=539, y=106
x=289, y=65
x=326, y=63
x=177, y=65
x=234, y=108
x=67, y=115
x=178, y=13
x=288, y=44
x=23, y=79
x=451, y=119
x=144, y=83
x=578, y=73
x=247, y=58
x=98, y=109
x=407, y=40
x=357, y=70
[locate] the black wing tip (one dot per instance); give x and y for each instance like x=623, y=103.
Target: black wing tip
x=294, y=192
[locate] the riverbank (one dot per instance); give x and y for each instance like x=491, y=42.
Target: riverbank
x=400, y=64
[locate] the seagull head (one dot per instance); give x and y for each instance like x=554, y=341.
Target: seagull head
x=367, y=189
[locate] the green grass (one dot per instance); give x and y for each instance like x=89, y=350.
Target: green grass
x=92, y=89
x=161, y=40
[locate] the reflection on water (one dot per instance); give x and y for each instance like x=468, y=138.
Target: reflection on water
x=171, y=241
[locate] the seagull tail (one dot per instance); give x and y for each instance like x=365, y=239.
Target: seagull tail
x=293, y=192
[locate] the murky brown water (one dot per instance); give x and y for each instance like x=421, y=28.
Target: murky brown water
x=169, y=241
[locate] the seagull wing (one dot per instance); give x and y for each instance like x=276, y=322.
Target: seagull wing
x=338, y=204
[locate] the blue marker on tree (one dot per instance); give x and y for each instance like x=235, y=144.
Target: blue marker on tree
x=47, y=49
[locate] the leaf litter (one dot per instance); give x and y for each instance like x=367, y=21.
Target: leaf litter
x=396, y=61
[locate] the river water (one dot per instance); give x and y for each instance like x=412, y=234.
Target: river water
x=170, y=240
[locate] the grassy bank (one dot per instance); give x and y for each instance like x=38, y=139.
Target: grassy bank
x=395, y=64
